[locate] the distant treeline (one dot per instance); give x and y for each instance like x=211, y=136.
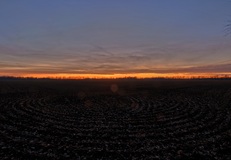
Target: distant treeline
x=125, y=78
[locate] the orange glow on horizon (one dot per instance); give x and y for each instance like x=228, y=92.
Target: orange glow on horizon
x=114, y=76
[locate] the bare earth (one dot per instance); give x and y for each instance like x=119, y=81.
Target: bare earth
x=115, y=119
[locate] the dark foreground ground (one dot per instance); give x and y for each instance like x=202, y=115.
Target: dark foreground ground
x=116, y=119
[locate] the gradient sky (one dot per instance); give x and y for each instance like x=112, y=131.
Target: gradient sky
x=108, y=38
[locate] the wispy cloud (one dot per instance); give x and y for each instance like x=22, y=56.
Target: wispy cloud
x=96, y=59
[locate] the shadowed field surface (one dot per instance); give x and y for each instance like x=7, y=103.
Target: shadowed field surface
x=115, y=119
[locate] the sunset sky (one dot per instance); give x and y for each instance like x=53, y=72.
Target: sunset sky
x=114, y=38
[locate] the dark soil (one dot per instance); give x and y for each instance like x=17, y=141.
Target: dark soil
x=115, y=119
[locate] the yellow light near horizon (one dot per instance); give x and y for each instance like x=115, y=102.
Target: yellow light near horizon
x=114, y=76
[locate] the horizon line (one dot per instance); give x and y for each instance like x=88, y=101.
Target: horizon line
x=118, y=78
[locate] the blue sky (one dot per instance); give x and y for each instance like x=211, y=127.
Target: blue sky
x=114, y=37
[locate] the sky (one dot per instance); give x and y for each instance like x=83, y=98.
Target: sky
x=115, y=38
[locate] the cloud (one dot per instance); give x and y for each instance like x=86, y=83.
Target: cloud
x=95, y=59
x=219, y=68
x=110, y=69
